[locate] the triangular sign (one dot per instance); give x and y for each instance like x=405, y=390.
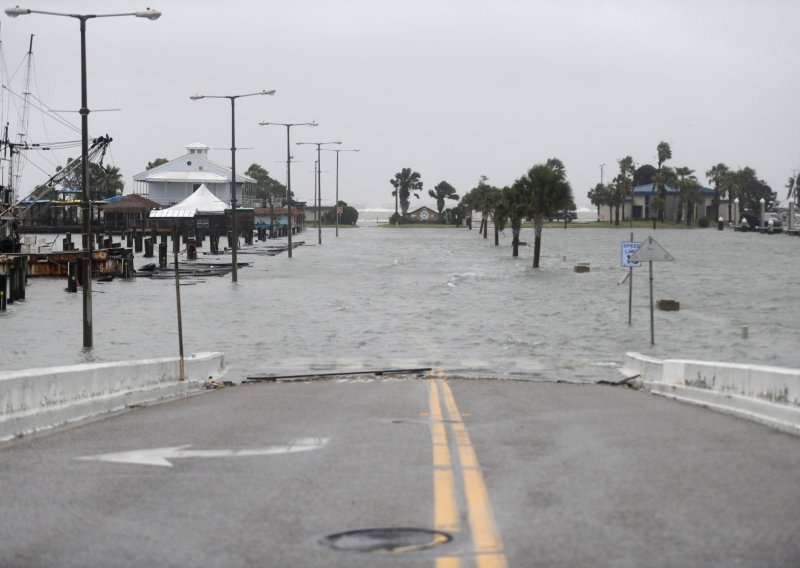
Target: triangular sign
x=651, y=251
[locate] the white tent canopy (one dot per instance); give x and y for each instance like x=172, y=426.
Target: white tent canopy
x=201, y=201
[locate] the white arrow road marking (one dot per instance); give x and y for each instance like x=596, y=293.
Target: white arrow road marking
x=161, y=456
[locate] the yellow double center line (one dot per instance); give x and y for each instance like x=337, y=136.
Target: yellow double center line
x=465, y=473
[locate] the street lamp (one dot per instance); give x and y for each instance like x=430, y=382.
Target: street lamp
x=736, y=212
x=319, y=185
x=86, y=205
x=234, y=226
x=289, y=199
x=337, y=179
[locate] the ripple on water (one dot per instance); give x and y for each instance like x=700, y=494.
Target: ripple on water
x=384, y=297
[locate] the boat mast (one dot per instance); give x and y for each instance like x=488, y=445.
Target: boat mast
x=17, y=160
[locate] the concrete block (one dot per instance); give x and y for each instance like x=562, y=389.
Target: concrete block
x=38, y=399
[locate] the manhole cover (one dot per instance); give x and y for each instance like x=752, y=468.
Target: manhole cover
x=386, y=540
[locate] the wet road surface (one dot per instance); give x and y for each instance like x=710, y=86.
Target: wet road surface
x=513, y=473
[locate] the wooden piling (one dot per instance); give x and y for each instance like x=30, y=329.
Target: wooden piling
x=162, y=255
x=148, y=247
x=72, y=276
x=127, y=268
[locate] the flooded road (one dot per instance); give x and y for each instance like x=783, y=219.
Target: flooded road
x=378, y=297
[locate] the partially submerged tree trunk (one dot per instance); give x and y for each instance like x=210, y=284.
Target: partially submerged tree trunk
x=538, y=224
x=515, y=240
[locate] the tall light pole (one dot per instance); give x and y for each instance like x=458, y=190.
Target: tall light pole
x=337, y=179
x=234, y=225
x=86, y=203
x=289, y=199
x=319, y=184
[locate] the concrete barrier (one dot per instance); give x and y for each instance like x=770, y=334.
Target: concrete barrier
x=769, y=395
x=37, y=399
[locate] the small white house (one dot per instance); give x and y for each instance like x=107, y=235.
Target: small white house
x=176, y=180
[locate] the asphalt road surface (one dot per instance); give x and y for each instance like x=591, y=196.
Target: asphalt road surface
x=439, y=473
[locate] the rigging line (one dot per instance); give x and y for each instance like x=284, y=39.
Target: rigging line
x=45, y=110
x=98, y=145
x=36, y=97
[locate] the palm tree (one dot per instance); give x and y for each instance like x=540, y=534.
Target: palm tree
x=442, y=191
x=598, y=197
x=405, y=183
x=792, y=194
x=719, y=176
x=690, y=190
x=516, y=202
x=499, y=211
x=682, y=173
x=664, y=153
x=623, y=185
x=106, y=181
x=547, y=191
x=663, y=178
x=481, y=201
x=467, y=206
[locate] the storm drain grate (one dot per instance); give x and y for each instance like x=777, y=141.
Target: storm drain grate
x=392, y=540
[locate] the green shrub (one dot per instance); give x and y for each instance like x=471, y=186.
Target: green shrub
x=703, y=222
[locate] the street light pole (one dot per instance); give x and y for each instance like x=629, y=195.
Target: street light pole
x=86, y=196
x=337, y=180
x=317, y=200
x=319, y=184
x=289, y=199
x=234, y=224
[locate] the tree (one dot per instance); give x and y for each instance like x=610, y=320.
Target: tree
x=267, y=189
x=454, y=215
x=750, y=190
x=106, y=181
x=467, y=207
x=719, y=175
x=792, y=192
x=479, y=199
x=683, y=173
x=690, y=190
x=617, y=191
x=664, y=153
x=663, y=178
x=623, y=185
x=498, y=208
x=442, y=191
x=547, y=191
x=598, y=196
x=405, y=183
x=644, y=175
x=348, y=216
x=516, y=203
x=155, y=163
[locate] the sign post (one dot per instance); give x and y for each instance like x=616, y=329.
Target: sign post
x=627, y=250
x=651, y=251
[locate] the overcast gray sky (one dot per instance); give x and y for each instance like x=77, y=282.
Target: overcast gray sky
x=453, y=89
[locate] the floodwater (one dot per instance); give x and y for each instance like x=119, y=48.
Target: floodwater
x=385, y=298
